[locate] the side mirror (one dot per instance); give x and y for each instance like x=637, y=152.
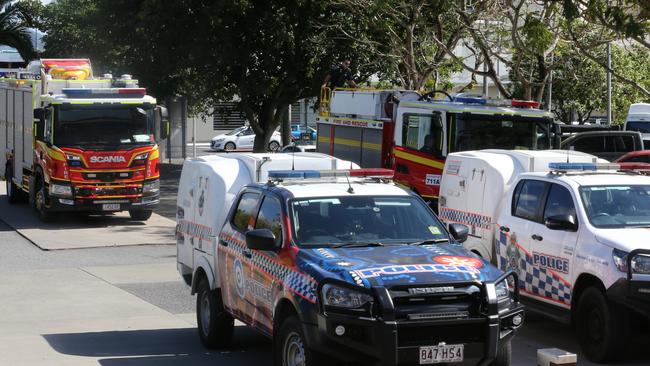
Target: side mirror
x=459, y=232
x=260, y=239
x=39, y=114
x=39, y=124
x=561, y=222
x=161, y=122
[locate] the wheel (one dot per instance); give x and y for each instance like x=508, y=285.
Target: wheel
x=602, y=326
x=274, y=146
x=290, y=348
x=229, y=146
x=504, y=356
x=40, y=203
x=140, y=215
x=215, y=325
x=14, y=193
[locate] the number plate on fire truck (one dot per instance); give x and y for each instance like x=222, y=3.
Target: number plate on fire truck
x=441, y=353
x=111, y=207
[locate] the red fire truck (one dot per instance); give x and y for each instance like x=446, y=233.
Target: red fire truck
x=73, y=142
x=413, y=133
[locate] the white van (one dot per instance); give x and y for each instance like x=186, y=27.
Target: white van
x=638, y=119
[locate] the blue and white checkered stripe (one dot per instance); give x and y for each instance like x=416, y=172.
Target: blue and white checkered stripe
x=467, y=218
x=297, y=282
x=534, y=280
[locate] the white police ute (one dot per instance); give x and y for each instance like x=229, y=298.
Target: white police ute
x=577, y=235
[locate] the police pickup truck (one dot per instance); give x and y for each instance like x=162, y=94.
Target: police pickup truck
x=337, y=266
x=576, y=233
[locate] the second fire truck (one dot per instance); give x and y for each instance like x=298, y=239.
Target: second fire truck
x=73, y=142
x=413, y=134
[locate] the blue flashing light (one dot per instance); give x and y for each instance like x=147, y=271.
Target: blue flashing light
x=470, y=100
x=573, y=166
x=294, y=174
x=77, y=92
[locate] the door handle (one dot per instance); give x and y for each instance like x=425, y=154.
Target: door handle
x=537, y=237
x=505, y=229
x=247, y=254
x=223, y=242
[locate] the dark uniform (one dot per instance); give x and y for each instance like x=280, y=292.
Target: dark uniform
x=338, y=76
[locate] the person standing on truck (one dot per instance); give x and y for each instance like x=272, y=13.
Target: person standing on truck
x=339, y=75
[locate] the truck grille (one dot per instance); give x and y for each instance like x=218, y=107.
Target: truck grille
x=100, y=191
x=107, y=176
x=437, y=303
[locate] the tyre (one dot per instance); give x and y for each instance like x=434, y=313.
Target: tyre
x=14, y=193
x=290, y=348
x=40, y=203
x=140, y=215
x=215, y=325
x=274, y=146
x=602, y=326
x=229, y=146
x=504, y=356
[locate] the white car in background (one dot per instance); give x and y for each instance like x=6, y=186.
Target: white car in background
x=242, y=138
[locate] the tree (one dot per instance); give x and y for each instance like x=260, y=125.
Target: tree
x=14, y=29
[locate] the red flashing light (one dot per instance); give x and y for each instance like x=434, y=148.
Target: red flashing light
x=372, y=172
x=139, y=91
x=525, y=103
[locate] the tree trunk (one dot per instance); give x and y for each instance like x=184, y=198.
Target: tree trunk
x=261, y=143
x=286, y=126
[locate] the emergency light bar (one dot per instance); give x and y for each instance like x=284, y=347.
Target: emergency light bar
x=104, y=93
x=470, y=100
x=583, y=167
x=316, y=174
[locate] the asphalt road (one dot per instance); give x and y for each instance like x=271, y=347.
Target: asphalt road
x=122, y=306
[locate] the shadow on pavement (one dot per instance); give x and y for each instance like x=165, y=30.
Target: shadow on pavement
x=162, y=347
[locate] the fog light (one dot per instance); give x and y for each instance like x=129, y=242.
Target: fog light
x=339, y=330
x=516, y=320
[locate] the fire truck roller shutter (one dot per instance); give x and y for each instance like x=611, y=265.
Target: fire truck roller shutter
x=4, y=136
x=323, y=143
x=371, y=148
x=347, y=144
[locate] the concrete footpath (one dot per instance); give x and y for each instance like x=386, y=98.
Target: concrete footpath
x=72, y=231
x=78, y=309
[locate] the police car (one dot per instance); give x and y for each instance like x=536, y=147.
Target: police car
x=576, y=233
x=340, y=265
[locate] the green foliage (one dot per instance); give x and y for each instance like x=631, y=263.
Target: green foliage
x=14, y=24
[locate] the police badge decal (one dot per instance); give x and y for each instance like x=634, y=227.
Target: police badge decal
x=513, y=254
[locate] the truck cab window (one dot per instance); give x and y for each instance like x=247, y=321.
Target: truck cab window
x=559, y=202
x=589, y=144
x=528, y=199
x=245, y=211
x=270, y=217
x=423, y=133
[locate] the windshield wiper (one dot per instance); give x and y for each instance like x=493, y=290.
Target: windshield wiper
x=359, y=245
x=429, y=241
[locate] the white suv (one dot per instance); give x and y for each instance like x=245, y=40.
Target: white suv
x=580, y=243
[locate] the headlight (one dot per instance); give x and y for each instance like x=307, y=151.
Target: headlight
x=218, y=140
x=504, y=295
x=640, y=263
x=344, y=298
x=60, y=190
x=151, y=187
x=140, y=159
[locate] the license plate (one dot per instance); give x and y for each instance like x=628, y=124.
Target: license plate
x=441, y=353
x=111, y=207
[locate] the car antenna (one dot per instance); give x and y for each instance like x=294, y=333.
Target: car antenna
x=350, y=189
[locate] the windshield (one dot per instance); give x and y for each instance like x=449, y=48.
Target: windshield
x=103, y=126
x=641, y=126
x=476, y=132
x=362, y=219
x=617, y=206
